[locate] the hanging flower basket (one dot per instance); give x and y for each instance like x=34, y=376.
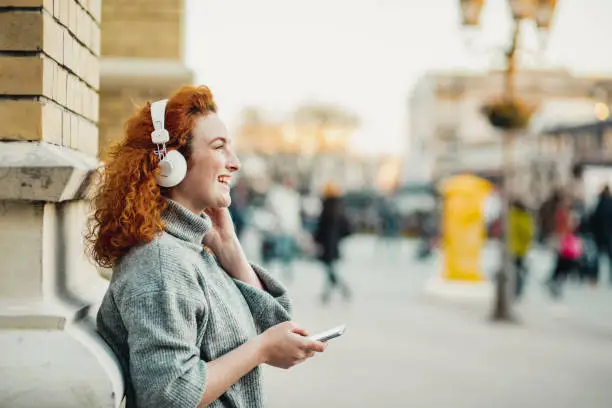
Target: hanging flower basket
x=508, y=114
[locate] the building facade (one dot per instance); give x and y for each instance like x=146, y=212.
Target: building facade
x=586, y=150
x=448, y=129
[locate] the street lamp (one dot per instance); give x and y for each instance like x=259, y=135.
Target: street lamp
x=510, y=114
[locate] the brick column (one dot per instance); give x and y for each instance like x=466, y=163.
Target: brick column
x=142, y=59
x=50, y=354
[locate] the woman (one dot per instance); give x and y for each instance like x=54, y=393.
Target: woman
x=190, y=324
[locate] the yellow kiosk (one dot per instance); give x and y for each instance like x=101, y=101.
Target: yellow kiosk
x=463, y=237
x=463, y=226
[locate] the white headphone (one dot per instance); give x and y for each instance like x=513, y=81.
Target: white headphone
x=172, y=164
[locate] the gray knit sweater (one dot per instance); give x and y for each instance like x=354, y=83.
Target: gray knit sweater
x=170, y=308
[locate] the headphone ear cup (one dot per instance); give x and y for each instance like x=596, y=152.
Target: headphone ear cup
x=173, y=169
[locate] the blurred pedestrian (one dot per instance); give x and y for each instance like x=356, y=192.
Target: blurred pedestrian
x=568, y=257
x=332, y=228
x=428, y=233
x=546, y=216
x=389, y=222
x=601, y=228
x=563, y=221
x=284, y=202
x=589, y=261
x=521, y=233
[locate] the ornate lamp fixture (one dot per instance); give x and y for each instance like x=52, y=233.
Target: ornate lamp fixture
x=544, y=13
x=510, y=112
x=470, y=11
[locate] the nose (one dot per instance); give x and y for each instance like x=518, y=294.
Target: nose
x=233, y=164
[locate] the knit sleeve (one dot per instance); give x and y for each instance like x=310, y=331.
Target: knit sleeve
x=164, y=359
x=269, y=306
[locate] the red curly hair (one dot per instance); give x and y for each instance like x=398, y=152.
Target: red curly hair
x=127, y=201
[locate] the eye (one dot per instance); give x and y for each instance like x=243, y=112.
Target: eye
x=220, y=146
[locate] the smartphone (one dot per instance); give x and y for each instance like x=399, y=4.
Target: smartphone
x=329, y=334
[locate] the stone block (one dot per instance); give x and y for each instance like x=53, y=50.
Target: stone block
x=50, y=68
x=72, y=50
x=95, y=8
x=78, y=96
x=64, y=12
x=96, y=108
x=52, y=122
x=21, y=269
x=71, y=90
x=53, y=41
x=95, y=39
x=66, y=119
x=74, y=131
x=86, y=139
x=21, y=31
x=92, y=71
x=43, y=172
x=67, y=48
x=57, y=9
x=21, y=119
x=47, y=4
x=84, y=27
x=62, y=82
x=22, y=75
x=72, y=16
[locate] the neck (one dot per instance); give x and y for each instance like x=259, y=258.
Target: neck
x=187, y=203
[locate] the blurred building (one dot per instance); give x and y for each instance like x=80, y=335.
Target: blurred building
x=449, y=134
x=576, y=155
x=312, y=146
x=141, y=59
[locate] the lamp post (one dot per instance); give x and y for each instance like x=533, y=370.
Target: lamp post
x=511, y=116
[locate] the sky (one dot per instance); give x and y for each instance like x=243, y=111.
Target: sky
x=366, y=55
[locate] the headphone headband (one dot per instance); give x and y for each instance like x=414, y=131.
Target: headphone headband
x=172, y=165
x=158, y=117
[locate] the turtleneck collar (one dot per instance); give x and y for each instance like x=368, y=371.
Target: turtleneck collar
x=184, y=224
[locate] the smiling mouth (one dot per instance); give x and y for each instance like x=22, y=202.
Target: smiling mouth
x=225, y=180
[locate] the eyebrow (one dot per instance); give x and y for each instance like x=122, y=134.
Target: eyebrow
x=222, y=138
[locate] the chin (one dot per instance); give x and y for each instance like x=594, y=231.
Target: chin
x=224, y=201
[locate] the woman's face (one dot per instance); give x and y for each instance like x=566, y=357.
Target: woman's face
x=210, y=167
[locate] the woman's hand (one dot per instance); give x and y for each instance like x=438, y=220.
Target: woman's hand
x=223, y=232
x=224, y=243
x=286, y=345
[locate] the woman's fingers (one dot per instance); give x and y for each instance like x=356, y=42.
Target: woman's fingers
x=300, y=331
x=316, y=346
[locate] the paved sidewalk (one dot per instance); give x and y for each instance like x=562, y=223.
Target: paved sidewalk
x=403, y=349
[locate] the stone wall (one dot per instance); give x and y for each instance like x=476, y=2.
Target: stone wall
x=50, y=72
x=49, y=104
